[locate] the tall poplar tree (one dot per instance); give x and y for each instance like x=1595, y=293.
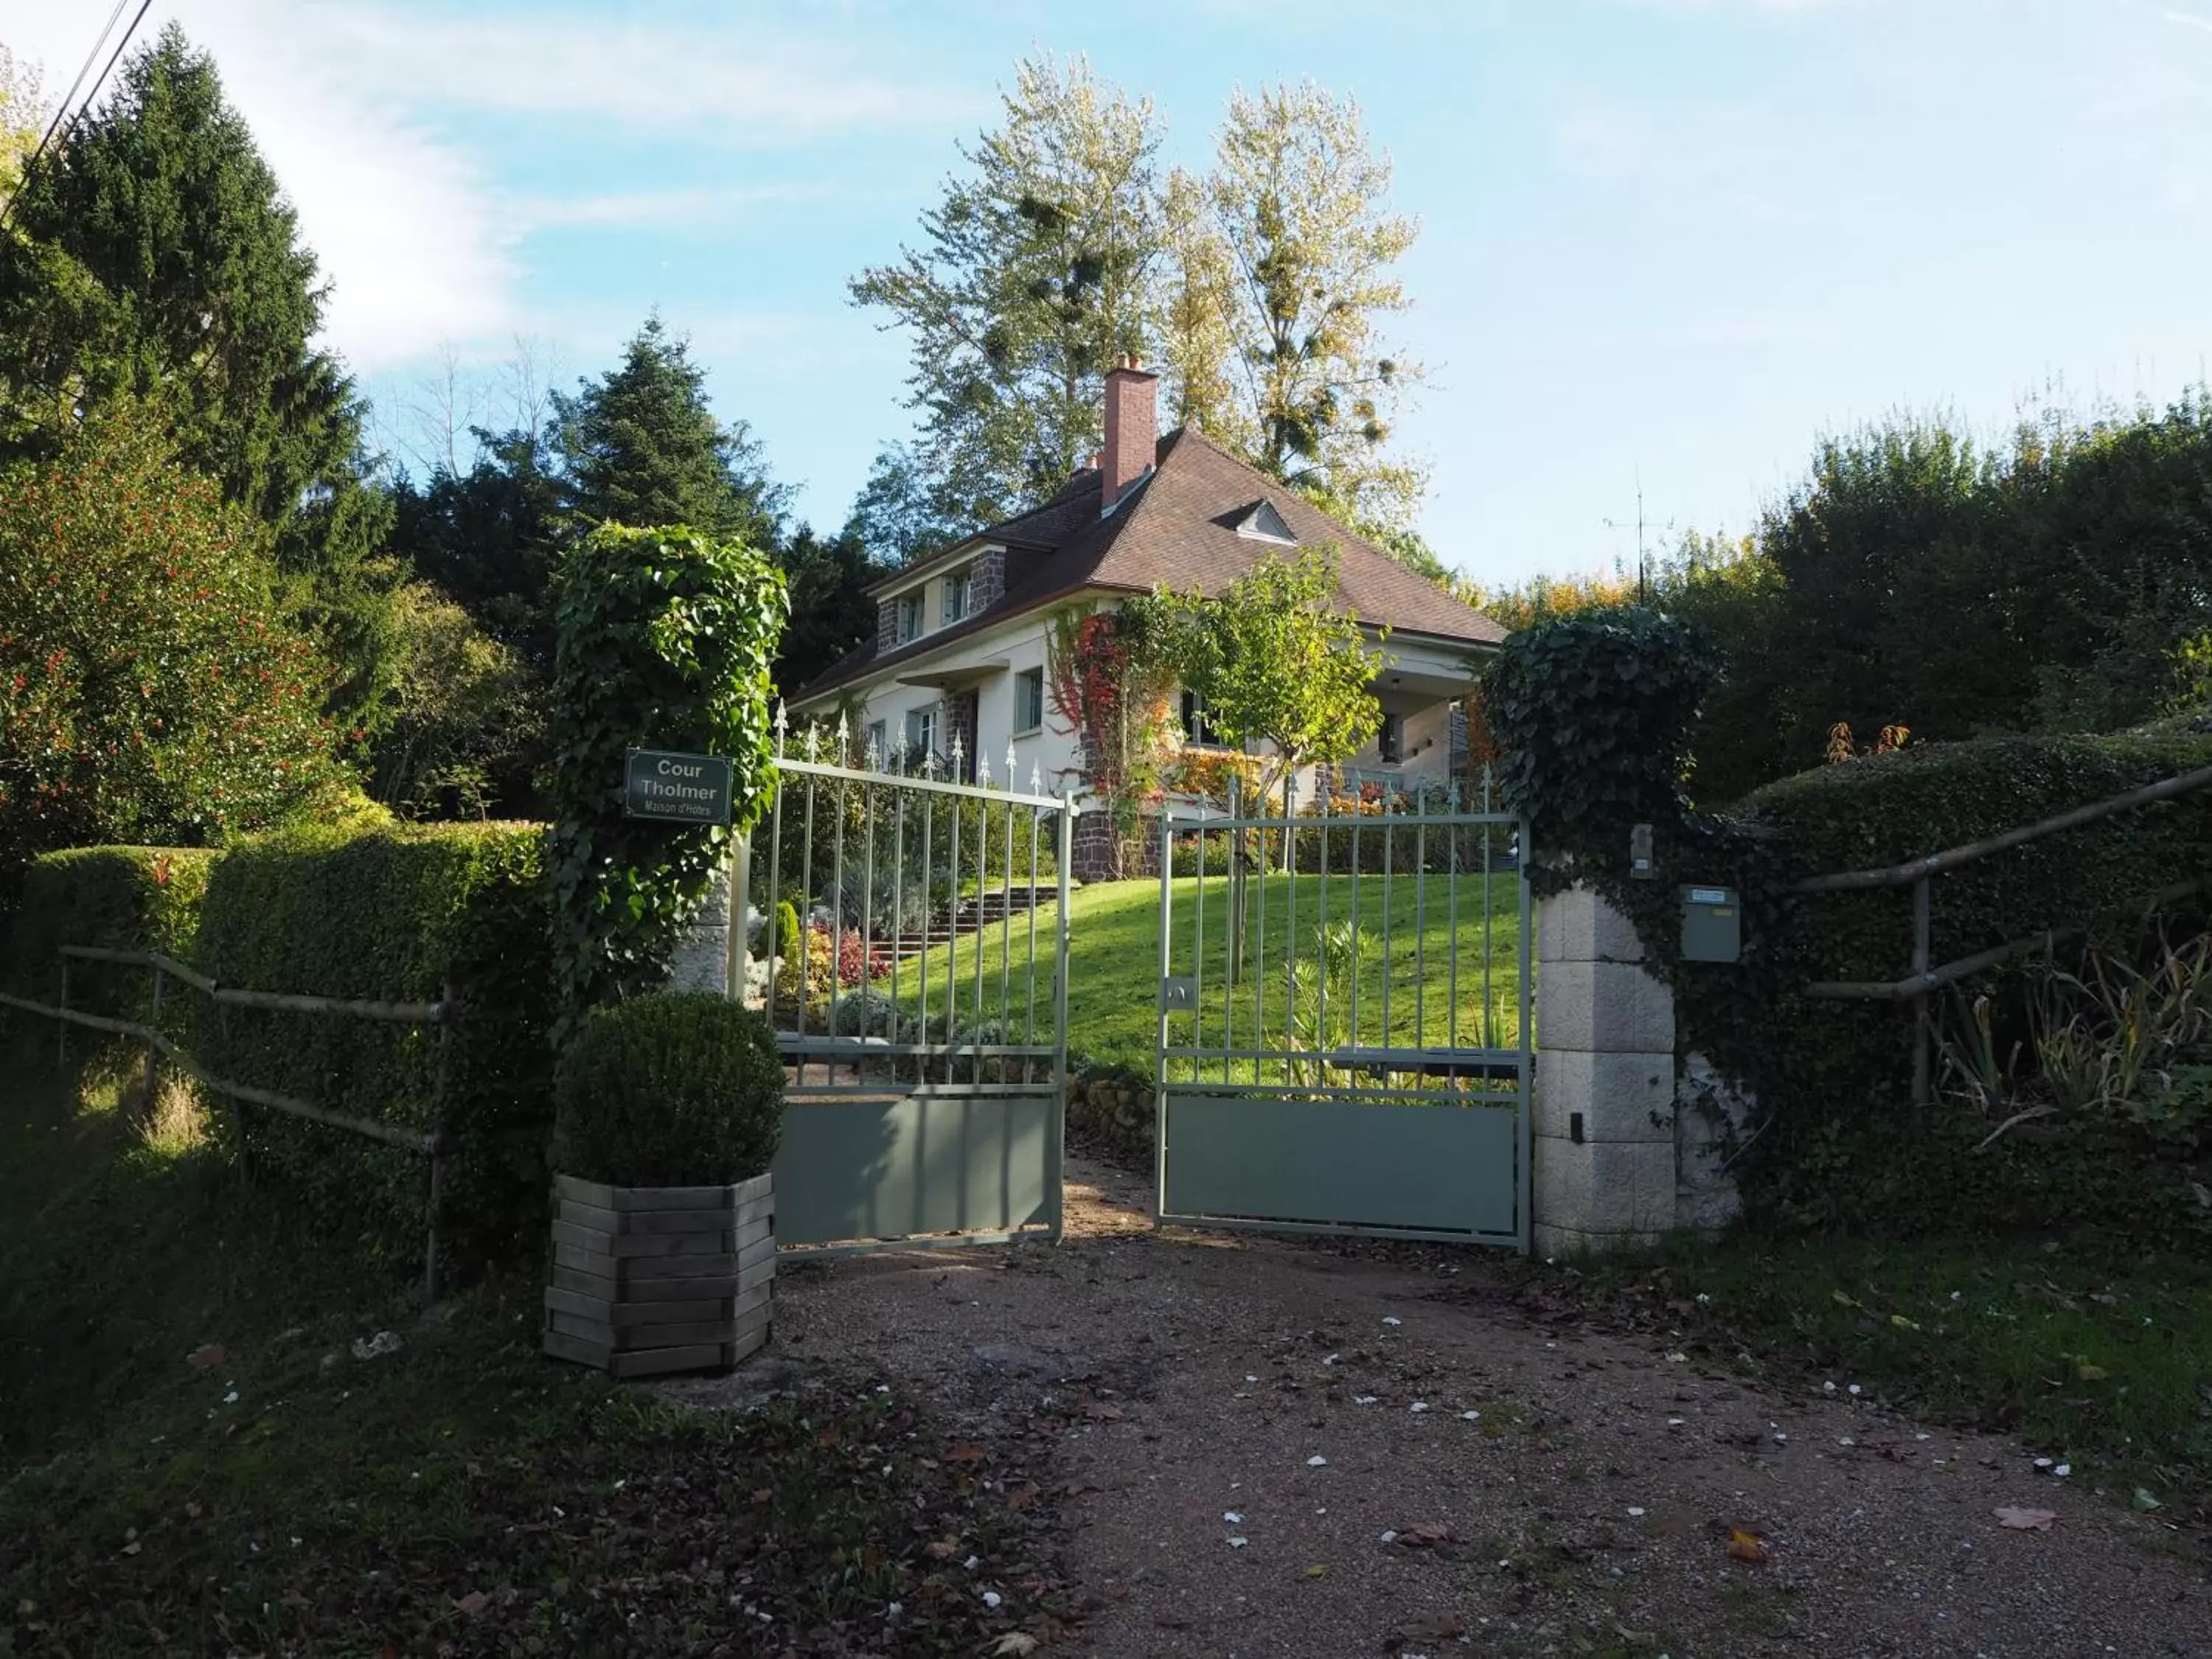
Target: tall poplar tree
x=1297, y=210
x=1036, y=273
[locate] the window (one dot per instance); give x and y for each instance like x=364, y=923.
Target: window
x=921, y=732
x=1195, y=726
x=909, y=617
x=1029, y=700
x=876, y=743
x=958, y=587
x=1390, y=739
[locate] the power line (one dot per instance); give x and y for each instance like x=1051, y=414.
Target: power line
x=62, y=108
x=61, y=112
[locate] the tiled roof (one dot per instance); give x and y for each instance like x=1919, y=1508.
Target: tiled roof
x=1177, y=528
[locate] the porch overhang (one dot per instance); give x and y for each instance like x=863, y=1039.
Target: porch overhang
x=956, y=676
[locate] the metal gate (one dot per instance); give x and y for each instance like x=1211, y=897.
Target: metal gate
x=922, y=1012
x=1344, y=1019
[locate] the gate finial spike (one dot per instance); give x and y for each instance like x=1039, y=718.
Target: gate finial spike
x=844, y=731
x=929, y=763
x=983, y=771
x=782, y=724
x=813, y=743
x=1036, y=778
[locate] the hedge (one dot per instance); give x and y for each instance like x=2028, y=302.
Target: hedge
x=399, y=912
x=1834, y=1081
x=126, y=898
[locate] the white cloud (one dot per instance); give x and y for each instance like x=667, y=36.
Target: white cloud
x=735, y=83
x=625, y=209
x=420, y=243
x=405, y=229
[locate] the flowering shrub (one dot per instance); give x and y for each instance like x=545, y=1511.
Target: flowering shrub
x=1110, y=688
x=152, y=687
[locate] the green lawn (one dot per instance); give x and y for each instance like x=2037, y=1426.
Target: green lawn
x=193, y=1460
x=2101, y=1361
x=1114, y=965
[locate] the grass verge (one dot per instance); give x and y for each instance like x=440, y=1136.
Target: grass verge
x=2103, y=1363
x=203, y=1463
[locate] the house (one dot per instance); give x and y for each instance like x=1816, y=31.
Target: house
x=959, y=656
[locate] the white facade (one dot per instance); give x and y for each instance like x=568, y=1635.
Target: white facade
x=920, y=702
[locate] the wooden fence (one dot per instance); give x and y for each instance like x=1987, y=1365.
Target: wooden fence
x=434, y=1144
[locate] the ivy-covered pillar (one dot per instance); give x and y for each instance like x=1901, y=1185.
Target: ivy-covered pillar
x=1604, y=1115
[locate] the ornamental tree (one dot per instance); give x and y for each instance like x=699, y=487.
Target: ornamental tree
x=152, y=688
x=1273, y=661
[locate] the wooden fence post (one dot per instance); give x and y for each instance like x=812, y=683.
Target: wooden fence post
x=153, y=1054
x=1922, y=1084
x=433, y=1279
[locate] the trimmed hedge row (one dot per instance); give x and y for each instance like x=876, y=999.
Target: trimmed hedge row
x=406, y=913
x=1887, y=809
x=126, y=898
x=1840, y=1145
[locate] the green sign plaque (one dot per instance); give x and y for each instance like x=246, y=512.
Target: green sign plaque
x=681, y=788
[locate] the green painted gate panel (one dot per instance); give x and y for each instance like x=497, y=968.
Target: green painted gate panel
x=889, y=1167
x=1435, y=1171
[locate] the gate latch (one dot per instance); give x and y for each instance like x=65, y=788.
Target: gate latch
x=1179, y=991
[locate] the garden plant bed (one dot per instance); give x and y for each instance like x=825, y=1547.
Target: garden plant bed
x=650, y=1279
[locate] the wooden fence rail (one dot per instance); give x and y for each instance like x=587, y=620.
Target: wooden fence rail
x=1924, y=977
x=435, y=1144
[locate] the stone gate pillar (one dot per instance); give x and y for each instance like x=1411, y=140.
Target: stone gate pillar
x=1604, y=1119
x=700, y=961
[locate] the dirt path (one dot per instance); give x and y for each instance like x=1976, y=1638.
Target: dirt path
x=1549, y=1491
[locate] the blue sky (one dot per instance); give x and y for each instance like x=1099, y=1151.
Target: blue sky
x=1672, y=238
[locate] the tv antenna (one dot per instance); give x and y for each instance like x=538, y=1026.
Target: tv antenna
x=1642, y=582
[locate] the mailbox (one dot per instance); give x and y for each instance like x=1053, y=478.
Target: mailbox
x=1712, y=925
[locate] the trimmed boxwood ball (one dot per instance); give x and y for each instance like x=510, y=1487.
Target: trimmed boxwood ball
x=680, y=1089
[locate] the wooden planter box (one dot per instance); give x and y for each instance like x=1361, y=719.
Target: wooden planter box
x=647, y=1280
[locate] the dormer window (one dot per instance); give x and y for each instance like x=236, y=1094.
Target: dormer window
x=909, y=617
x=959, y=586
x=1262, y=523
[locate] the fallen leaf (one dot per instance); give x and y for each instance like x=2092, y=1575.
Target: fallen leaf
x=2089, y=1373
x=1014, y=1644
x=472, y=1605
x=1314, y=1571
x=966, y=1454
x=1021, y=1497
x=1416, y=1534
x=206, y=1357
x=2026, y=1520
x=940, y=1549
x=1102, y=1410
x=1746, y=1546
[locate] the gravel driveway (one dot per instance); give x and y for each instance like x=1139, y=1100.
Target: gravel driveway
x=1284, y=1452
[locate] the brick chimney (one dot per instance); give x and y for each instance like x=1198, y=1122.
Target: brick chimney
x=1133, y=421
